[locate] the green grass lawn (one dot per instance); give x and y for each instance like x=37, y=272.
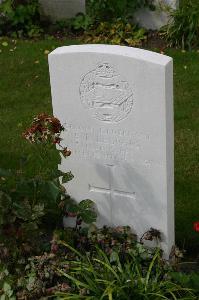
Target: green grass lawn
x=186, y=104
x=25, y=92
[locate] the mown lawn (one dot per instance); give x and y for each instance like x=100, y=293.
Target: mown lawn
x=186, y=104
x=25, y=92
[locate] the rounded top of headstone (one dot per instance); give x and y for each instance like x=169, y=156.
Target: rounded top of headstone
x=136, y=53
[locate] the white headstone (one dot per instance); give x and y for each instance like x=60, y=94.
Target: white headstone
x=62, y=9
x=117, y=107
x=155, y=19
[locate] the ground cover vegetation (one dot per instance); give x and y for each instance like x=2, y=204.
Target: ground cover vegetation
x=111, y=22
x=34, y=263
x=105, y=21
x=22, y=18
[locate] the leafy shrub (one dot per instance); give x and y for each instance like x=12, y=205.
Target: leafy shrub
x=81, y=22
x=20, y=18
x=41, y=277
x=30, y=205
x=91, y=263
x=117, y=32
x=110, y=21
x=108, y=239
x=106, y=10
x=37, y=276
x=34, y=277
x=183, y=28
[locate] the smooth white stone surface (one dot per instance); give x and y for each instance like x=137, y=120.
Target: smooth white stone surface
x=157, y=18
x=62, y=9
x=117, y=106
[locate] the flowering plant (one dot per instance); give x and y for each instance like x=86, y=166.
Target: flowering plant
x=33, y=202
x=29, y=198
x=46, y=129
x=196, y=226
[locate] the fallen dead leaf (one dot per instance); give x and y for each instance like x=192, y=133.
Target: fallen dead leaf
x=5, y=44
x=46, y=52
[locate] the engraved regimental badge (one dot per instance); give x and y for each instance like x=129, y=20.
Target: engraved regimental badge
x=105, y=94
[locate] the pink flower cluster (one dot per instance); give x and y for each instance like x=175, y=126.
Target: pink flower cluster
x=45, y=129
x=196, y=226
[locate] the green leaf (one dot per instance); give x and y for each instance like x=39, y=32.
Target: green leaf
x=6, y=287
x=27, y=188
x=5, y=44
x=86, y=211
x=6, y=7
x=86, y=204
x=31, y=280
x=52, y=190
x=114, y=257
x=5, y=172
x=77, y=282
x=57, y=173
x=8, y=290
x=67, y=177
x=5, y=206
x=30, y=226
x=73, y=208
x=88, y=216
x=194, y=281
x=38, y=211
x=22, y=210
x=72, y=249
x=5, y=200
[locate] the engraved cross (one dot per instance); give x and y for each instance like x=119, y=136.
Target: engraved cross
x=111, y=191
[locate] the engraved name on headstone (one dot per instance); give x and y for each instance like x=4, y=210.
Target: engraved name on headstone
x=117, y=108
